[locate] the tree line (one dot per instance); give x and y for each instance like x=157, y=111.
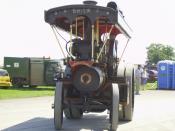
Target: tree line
x=157, y=52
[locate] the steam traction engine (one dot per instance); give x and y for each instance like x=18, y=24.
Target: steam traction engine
x=94, y=79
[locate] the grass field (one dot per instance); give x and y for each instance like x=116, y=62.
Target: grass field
x=151, y=86
x=10, y=93
x=13, y=92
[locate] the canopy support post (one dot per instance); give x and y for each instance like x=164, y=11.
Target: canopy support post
x=71, y=37
x=83, y=29
x=92, y=57
x=97, y=31
x=76, y=28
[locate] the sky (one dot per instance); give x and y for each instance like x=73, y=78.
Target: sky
x=24, y=33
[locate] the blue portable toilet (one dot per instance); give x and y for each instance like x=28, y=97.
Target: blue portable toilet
x=173, y=80
x=165, y=74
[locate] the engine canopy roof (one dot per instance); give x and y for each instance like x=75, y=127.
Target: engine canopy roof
x=64, y=16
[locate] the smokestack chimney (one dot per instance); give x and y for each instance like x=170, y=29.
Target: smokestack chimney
x=89, y=2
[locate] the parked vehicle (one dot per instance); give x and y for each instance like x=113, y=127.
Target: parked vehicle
x=152, y=75
x=31, y=71
x=51, y=68
x=4, y=78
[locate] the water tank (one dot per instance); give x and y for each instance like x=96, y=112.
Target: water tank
x=165, y=74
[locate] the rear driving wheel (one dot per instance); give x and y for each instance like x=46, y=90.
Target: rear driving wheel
x=127, y=110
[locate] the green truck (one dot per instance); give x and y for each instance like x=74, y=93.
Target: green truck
x=31, y=71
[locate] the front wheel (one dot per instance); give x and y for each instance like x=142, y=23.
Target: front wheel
x=114, y=113
x=58, y=106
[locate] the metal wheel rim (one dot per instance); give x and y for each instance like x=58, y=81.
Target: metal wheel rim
x=58, y=106
x=130, y=107
x=114, y=114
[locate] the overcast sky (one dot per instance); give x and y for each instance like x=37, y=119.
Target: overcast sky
x=23, y=31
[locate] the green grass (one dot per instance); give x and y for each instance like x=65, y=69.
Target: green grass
x=151, y=85
x=25, y=92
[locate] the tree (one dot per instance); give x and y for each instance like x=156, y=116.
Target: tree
x=157, y=52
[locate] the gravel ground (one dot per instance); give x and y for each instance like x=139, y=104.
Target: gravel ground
x=154, y=111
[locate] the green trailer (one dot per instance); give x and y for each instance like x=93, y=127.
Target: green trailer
x=19, y=70
x=31, y=71
x=51, y=67
x=37, y=71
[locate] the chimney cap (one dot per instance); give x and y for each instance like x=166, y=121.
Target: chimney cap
x=90, y=2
